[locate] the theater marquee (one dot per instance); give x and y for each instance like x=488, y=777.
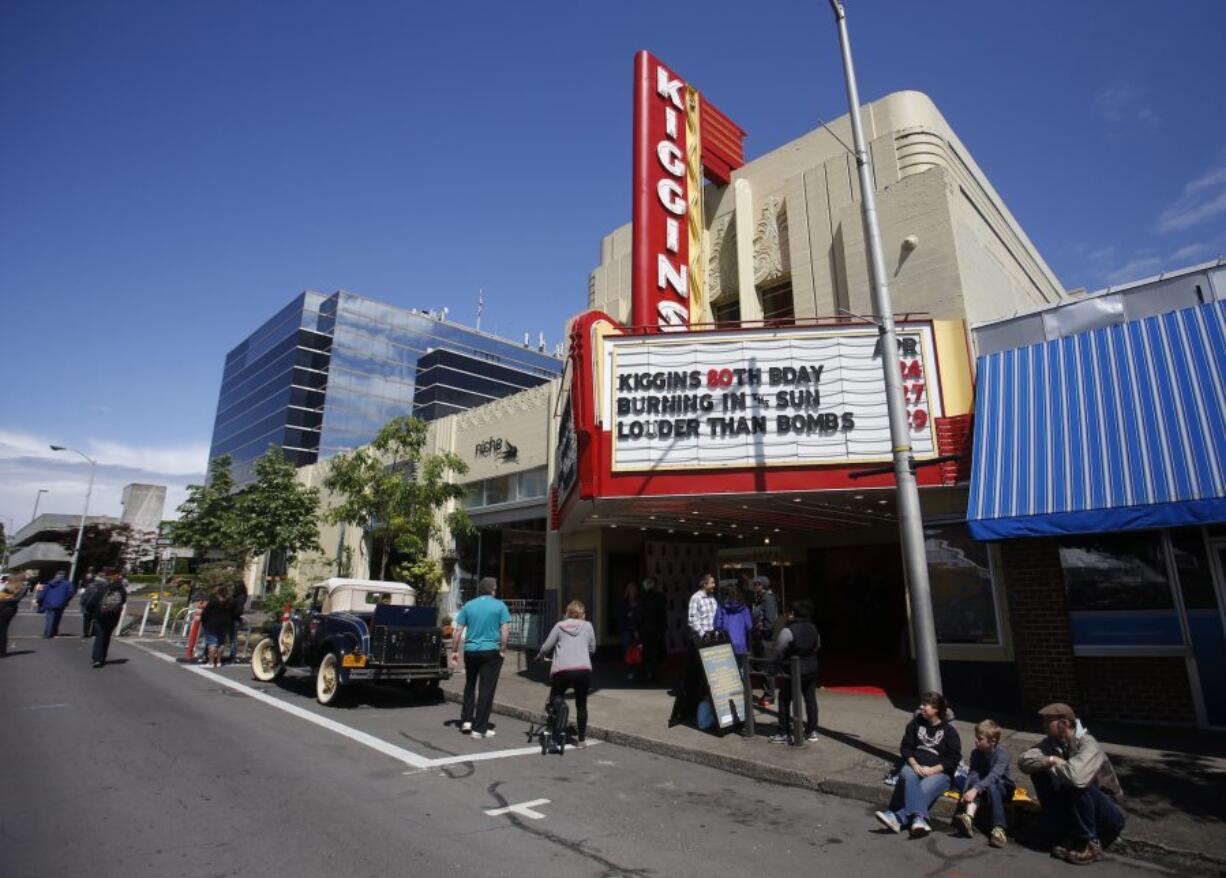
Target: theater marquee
x=762, y=398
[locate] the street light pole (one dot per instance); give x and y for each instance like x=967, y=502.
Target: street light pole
x=910, y=520
x=76, y=553
x=38, y=497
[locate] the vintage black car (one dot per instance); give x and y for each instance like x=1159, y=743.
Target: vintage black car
x=356, y=629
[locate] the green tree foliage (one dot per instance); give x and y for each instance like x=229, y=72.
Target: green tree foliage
x=396, y=493
x=276, y=512
x=103, y=545
x=273, y=513
x=208, y=519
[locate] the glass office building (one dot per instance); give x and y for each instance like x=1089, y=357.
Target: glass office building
x=323, y=375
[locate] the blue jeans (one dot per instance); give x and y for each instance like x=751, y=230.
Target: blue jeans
x=1072, y=811
x=913, y=796
x=991, y=801
x=51, y=621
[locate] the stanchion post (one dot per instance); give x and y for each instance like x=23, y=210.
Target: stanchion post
x=144, y=619
x=747, y=727
x=190, y=653
x=798, y=735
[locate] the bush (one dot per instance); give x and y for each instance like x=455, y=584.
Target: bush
x=286, y=592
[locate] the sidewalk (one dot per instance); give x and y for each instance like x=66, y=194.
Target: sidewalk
x=1173, y=781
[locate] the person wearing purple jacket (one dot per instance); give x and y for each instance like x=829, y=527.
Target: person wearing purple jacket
x=734, y=619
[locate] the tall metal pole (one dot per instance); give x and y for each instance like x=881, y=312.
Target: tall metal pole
x=910, y=521
x=38, y=497
x=76, y=553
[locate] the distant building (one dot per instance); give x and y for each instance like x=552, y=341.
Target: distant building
x=326, y=372
x=40, y=545
x=143, y=506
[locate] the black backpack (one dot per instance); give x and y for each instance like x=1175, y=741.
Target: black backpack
x=111, y=602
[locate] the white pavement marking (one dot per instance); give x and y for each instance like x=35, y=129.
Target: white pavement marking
x=493, y=754
x=408, y=757
x=523, y=809
x=40, y=706
x=398, y=753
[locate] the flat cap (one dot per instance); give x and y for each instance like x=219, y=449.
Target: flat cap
x=1058, y=710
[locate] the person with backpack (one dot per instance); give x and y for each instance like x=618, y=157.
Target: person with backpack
x=238, y=603
x=217, y=620
x=93, y=583
x=798, y=638
x=105, y=606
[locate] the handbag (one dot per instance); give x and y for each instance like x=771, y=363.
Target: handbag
x=634, y=654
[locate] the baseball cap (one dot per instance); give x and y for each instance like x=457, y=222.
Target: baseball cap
x=1058, y=710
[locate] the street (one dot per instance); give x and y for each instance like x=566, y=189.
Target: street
x=150, y=767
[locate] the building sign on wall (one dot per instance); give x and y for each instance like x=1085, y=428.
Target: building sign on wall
x=671, y=153
x=498, y=447
x=566, y=454
x=763, y=397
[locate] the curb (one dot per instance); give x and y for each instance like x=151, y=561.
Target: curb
x=871, y=794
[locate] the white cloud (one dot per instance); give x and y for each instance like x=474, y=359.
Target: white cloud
x=1202, y=199
x=1134, y=269
x=1123, y=104
x=1191, y=251
x=27, y=464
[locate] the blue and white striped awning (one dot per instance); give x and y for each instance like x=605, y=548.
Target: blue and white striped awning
x=1119, y=428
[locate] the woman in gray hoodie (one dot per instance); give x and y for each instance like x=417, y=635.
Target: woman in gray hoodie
x=571, y=643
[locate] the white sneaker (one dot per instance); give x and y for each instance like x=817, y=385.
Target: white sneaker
x=489, y=733
x=466, y=728
x=888, y=820
x=920, y=827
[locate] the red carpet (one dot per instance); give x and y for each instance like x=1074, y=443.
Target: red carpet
x=865, y=676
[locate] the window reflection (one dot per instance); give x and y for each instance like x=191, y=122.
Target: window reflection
x=960, y=577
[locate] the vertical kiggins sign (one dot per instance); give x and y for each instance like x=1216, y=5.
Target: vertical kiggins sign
x=668, y=217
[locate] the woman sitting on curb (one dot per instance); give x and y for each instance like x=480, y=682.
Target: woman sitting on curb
x=931, y=750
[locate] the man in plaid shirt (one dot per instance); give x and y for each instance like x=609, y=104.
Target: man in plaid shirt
x=701, y=619
x=702, y=608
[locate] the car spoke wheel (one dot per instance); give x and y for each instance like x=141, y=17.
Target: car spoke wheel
x=328, y=680
x=266, y=664
x=286, y=641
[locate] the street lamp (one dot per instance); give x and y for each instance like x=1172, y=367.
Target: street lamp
x=38, y=497
x=76, y=553
x=910, y=519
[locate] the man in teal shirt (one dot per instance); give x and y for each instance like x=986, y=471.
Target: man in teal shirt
x=488, y=624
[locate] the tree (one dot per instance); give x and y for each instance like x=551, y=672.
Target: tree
x=208, y=518
x=395, y=493
x=275, y=512
x=102, y=545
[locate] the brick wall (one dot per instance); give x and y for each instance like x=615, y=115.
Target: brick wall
x=1038, y=615
x=1135, y=689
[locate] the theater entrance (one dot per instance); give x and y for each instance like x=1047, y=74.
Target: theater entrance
x=860, y=601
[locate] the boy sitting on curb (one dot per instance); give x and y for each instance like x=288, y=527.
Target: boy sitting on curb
x=988, y=786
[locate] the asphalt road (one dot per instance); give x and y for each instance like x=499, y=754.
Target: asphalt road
x=149, y=767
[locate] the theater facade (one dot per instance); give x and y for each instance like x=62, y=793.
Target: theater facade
x=722, y=410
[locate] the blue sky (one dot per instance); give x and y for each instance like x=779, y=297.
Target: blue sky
x=171, y=173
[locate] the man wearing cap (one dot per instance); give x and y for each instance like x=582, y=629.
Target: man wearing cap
x=1076, y=785
x=765, y=615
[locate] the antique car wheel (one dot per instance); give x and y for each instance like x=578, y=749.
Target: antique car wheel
x=328, y=680
x=287, y=641
x=266, y=664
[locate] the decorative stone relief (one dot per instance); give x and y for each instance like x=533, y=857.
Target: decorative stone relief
x=721, y=261
x=771, y=261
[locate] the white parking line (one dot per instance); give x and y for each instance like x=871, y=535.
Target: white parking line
x=400, y=754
